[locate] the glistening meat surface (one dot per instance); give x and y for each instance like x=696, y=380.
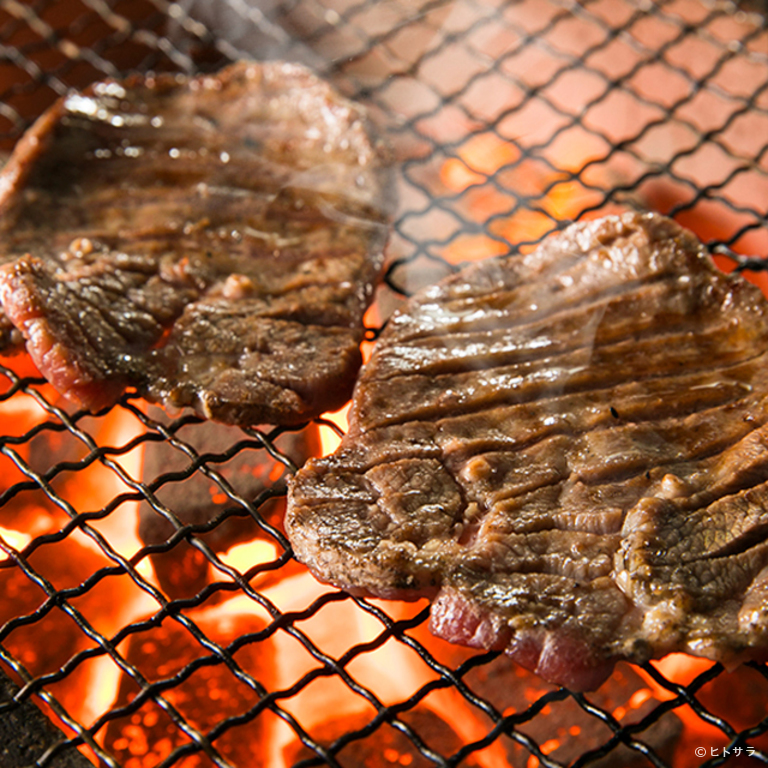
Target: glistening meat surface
x=566, y=450
x=211, y=241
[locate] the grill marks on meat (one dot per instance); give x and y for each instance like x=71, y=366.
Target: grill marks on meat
x=567, y=450
x=212, y=241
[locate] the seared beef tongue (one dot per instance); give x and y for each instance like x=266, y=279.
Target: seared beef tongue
x=567, y=450
x=212, y=241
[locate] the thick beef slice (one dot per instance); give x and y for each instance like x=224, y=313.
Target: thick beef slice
x=567, y=451
x=211, y=241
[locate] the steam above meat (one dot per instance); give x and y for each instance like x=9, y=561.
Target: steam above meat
x=568, y=451
x=211, y=241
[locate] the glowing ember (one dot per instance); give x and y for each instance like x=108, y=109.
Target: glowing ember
x=13, y=539
x=214, y=691
x=330, y=437
x=518, y=198
x=242, y=557
x=479, y=158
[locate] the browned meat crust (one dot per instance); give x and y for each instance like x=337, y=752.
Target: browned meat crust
x=567, y=451
x=211, y=241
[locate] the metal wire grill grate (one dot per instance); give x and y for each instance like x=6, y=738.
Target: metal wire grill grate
x=159, y=646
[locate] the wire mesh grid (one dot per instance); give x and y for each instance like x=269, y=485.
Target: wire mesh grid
x=150, y=634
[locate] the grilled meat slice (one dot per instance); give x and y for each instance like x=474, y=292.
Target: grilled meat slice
x=212, y=241
x=568, y=451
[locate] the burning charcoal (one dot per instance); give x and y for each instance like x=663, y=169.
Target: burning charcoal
x=739, y=697
x=198, y=500
x=31, y=510
x=203, y=699
x=563, y=730
x=37, y=439
x=386, y=746
x=65, y=565
x=26, y=733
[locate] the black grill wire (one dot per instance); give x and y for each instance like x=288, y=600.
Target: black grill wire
x=436, y=75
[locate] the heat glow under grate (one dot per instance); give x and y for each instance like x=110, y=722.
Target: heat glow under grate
x=199, y=641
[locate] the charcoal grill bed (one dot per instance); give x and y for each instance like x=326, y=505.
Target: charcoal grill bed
x=507, y=120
